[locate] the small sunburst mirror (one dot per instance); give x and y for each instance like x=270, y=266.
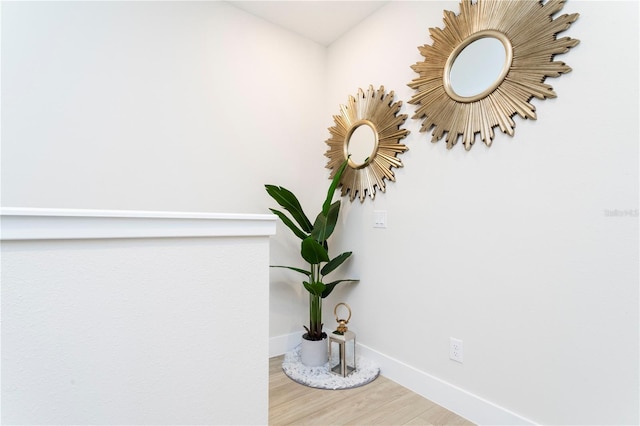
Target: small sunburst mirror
x=367, y=133
x=486, y=64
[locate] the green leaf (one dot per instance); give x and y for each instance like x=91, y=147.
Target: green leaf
x=302, y=271
x=329, y=287
x=313, y=252
x=290, y=224
x=332, y=188
x=325, y=225
x=316, y=288
x=286, y=199
x=334, y=263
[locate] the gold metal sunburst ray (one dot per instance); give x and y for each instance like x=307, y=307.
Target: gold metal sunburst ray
x=528, y=31
x=376, y=110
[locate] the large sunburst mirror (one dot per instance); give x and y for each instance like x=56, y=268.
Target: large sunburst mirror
x=486, y=64
x=367, y=133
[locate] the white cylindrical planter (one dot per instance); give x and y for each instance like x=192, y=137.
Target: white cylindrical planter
x=314, y=353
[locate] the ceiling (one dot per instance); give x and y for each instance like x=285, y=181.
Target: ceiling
x=321, y=21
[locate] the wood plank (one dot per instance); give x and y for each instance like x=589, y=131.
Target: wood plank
x=439, y=416
x=402, y=410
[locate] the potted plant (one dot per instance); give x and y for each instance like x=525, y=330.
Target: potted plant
x=314, y=249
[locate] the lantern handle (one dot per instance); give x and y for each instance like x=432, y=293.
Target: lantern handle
x=335, y=312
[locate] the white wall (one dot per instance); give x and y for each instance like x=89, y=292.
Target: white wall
x=188, y=106
x=509, y=248
x=101, y=325
x=178, y=106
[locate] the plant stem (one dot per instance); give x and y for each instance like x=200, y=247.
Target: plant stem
x=315, y=306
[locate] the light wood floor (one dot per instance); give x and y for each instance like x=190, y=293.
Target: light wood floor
x=381, y=402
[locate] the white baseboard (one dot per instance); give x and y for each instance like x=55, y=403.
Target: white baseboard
x=280, y=345
x=470, y=406
x=465, y=404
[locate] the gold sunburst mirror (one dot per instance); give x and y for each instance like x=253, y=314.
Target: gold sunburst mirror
x=367, y=133
x=486, y=64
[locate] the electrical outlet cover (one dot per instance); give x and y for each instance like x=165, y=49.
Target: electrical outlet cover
x=456, y=352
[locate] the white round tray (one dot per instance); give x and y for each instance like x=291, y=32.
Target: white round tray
x=322, y=378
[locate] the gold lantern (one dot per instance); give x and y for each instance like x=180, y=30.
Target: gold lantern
x=342, y=346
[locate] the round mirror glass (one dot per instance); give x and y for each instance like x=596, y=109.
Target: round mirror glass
x=362, y=145
x=478, y=67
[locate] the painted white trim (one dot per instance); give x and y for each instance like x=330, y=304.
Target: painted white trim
x=56, y=224
x=464, y=403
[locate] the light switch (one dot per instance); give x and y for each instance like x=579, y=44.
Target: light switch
x=379, y=218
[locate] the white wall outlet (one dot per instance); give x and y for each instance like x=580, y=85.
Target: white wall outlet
x=455, y=349
x=379, y=218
